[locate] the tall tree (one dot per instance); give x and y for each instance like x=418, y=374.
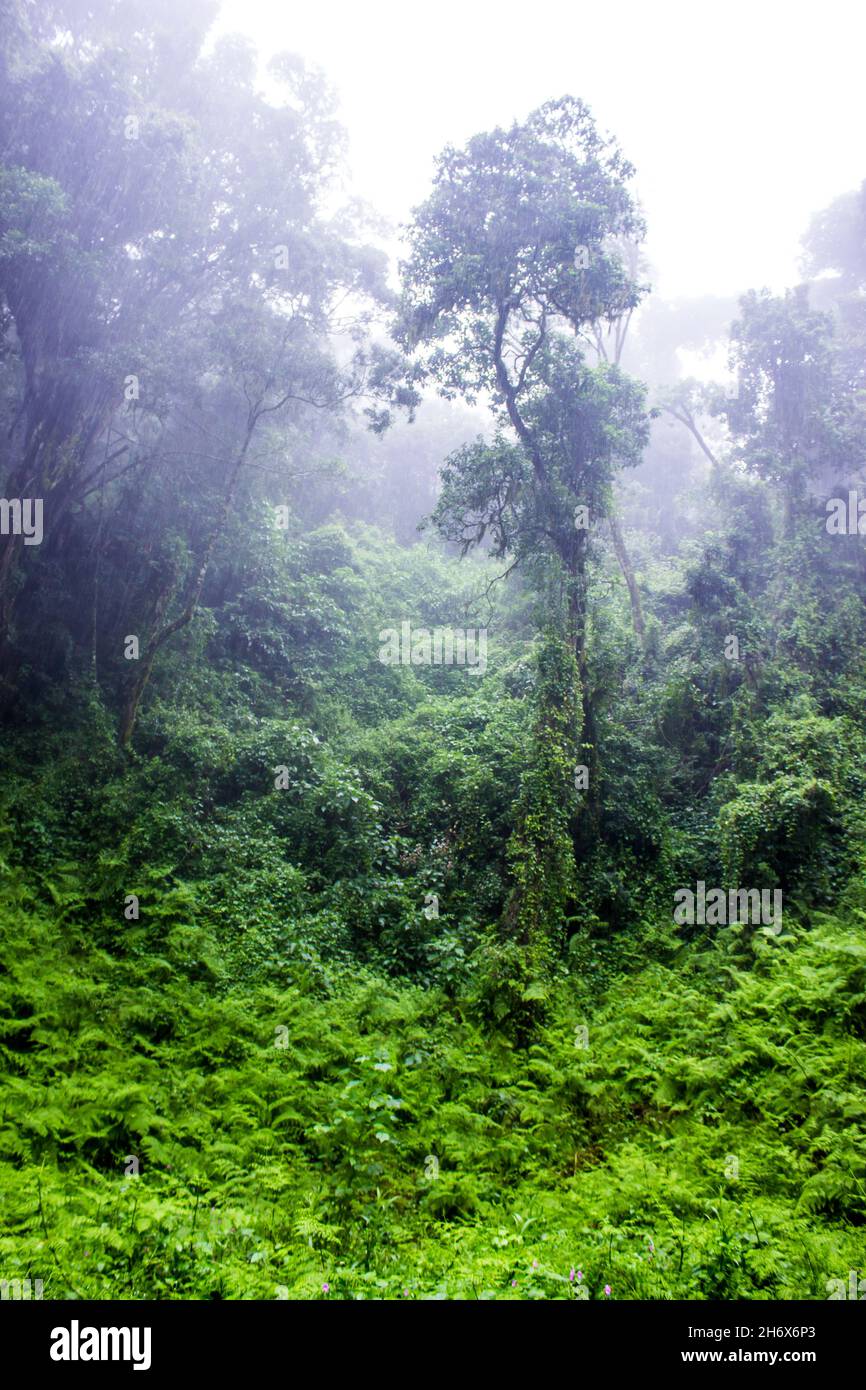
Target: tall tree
x=166, y=269
x=513, y=262
x=514, y=265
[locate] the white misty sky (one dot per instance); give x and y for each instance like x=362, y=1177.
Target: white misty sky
x=742, y=118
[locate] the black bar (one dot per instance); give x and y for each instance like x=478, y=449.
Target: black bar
x=291, y=1338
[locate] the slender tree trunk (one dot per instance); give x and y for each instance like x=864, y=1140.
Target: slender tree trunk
x=625, y=565
x=137, y=685
x=688, y=420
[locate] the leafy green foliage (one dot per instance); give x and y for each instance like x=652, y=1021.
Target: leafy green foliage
x=343, y=1130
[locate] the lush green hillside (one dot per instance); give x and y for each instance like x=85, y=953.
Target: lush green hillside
x=322, y=1085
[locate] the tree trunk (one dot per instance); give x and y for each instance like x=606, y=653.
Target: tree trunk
x=628, y=573
x=137, y=685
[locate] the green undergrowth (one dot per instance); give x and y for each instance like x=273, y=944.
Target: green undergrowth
x=694, y=1131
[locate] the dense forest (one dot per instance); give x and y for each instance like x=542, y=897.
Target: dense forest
x=432, y=822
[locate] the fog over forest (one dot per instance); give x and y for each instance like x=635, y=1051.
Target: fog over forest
x=432, y=679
